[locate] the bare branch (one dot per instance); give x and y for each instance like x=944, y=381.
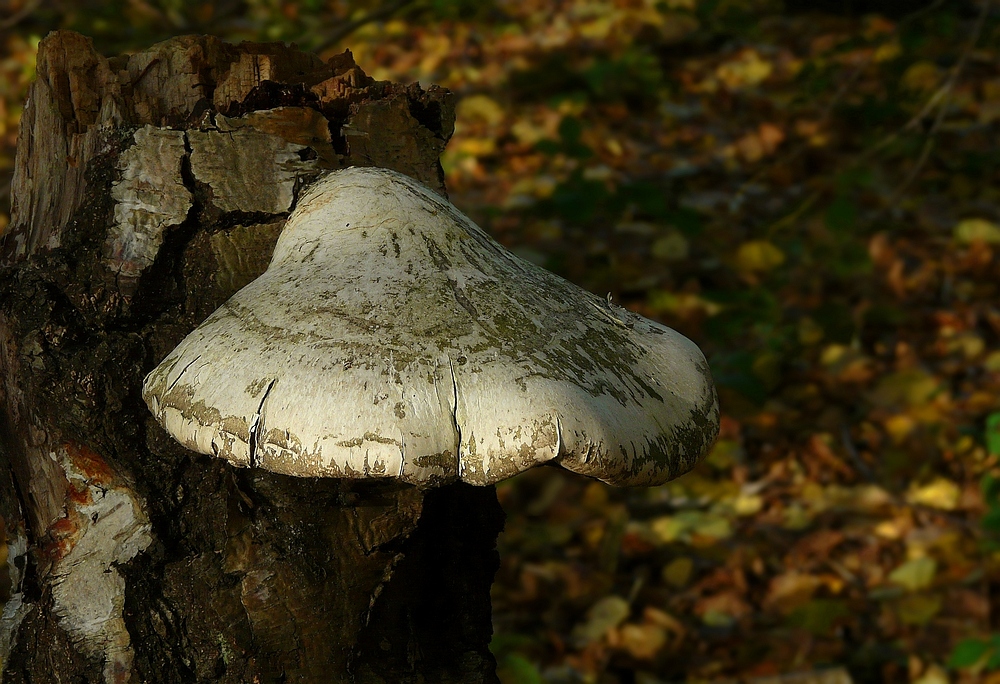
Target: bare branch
x=827, y=112
x=940, y=99
x=21, y=14
x=347, y=28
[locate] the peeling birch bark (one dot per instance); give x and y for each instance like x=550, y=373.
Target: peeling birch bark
x=149, y=198
x=105, y=526
x=129, y=558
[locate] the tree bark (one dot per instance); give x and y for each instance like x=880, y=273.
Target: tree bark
x=149, y=188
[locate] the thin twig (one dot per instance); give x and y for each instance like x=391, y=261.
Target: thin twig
x=831, y=105
x=347, y=28
x=21, y=14
x=852, y=452
x=945, y=91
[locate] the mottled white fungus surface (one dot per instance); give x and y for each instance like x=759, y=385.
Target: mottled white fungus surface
x=392, y=337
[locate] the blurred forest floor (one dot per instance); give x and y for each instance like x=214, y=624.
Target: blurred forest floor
x=813, y=196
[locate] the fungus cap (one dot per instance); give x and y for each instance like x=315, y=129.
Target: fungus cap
x=392, y=337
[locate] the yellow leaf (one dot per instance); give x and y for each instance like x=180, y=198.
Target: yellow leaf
x=977, y=230
x=748, y=504
x=597, y=29
x=915, y=574
x=683, y=525
x=796, y=517
x=888, y=51
x=606, y=614
x=677, y=572
x=671, y=247
x=922, y=76
x=758, y=255
x=968, y=344
x=992, y=362
x=939, y=493
x=791, y=590
x=476, y=147
x=713, y=528
x=747, y=69
x=481, y=108
x=866, y=497
x=529, y=133
x=933, y=675
x=899, y=426
x=906, y=388
x=683, y=305
x=642, y=641
x=722, y=610
x=810, y=331
x=667, y=529
x=918, y=609
x=725, y=454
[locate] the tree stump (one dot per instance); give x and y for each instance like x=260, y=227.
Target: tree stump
x=149, y=188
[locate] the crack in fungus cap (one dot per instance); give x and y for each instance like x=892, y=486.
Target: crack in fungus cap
x=392, y=337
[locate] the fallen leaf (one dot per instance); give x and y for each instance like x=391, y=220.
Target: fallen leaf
x=722, y=610
x=939, y=493
x=915, y=574
x=606, y=614
x=677, y=573
x=922, y=76
x=913, y=387
x=746, y=69
x=977, y=229
x=917, y=609
x=642, y=642
x=758, y=255
x=819, y=615
x=790, y=591
x=671, y=247
x=934, y=674
x=686, y=525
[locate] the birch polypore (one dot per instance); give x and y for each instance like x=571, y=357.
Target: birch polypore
x=391, y=337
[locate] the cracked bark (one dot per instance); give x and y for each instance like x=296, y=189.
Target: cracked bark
x=148, y=188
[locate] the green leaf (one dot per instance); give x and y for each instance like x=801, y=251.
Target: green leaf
x=687, y=221
x=968, y=652
x=519, y=670
x=550, y=147
x=841, y=215
x=990, y=486
x=993, y=662
x=991, y=520
x=855, y=177
x=608, y=612
x=819, y=615
x=992, y=435
x=917, y=609
x=915, y=574
x=570, y=129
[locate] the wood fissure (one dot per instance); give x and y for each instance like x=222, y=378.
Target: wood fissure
x=131, y=224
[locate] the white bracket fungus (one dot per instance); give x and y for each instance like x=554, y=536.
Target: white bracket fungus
x=392, y=337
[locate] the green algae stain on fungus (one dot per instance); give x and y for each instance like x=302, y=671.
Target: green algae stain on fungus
x=527, y=339
x=281, y=439
x=376, y=469
x=237, y=427
x=258, y=386
x=444, y=460
x=368, y=437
